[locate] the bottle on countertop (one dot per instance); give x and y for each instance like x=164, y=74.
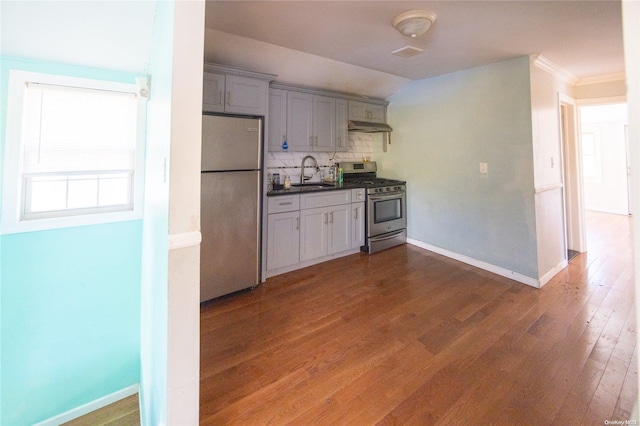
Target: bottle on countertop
x=339, y=175
x=269, y=182
x=287, y=182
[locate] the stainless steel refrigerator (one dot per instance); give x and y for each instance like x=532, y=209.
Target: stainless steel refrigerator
x=230, y=204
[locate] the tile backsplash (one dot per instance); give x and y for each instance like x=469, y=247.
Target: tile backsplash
x=288, y=163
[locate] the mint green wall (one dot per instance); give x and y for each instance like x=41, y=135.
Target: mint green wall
x=70, y=302
x=155, y=257
x=443, y=128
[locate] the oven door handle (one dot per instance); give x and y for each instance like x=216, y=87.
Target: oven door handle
x=387, y=196
x=387, y=237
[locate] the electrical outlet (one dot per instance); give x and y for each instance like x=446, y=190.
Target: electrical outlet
x=484, y=168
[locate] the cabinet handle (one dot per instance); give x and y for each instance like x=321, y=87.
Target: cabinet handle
x=297, y=223
x=221, y=101
x=356, y=212
x=229, y=98
x=331, y=221
x=285, y=204
x=326, y=218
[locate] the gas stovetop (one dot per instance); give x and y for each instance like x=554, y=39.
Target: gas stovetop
x=365, y=174
x=372, y=182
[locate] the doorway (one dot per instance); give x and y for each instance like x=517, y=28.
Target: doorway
x=606, y=170
x=594, y=140
x=575, y=228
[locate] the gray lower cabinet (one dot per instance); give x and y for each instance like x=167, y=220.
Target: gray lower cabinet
x=283, y=236
x=311, y=228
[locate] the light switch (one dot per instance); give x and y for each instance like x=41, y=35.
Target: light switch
x=484, y=168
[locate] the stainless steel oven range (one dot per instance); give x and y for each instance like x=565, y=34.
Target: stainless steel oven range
x=386, y=206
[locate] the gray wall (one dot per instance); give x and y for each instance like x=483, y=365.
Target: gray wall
x=443, y=128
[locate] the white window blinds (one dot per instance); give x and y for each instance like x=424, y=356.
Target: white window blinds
x=69, y=129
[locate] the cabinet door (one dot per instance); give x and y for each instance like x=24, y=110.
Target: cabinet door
x=339, y=228
x=283, y=239
x=277, y=119
x=324, y=123
x=342, y=120
x=213, y=92
x=377, y=113
x=313, y=233
x=357, y=111
x=246, y=95
x=357, y=230
x=299, y=121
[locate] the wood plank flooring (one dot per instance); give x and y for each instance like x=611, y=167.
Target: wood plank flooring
x=410, y=337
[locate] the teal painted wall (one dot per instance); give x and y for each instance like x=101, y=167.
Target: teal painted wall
x=443, y=128
x=70, y=302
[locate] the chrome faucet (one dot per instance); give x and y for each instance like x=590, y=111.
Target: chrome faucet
x=315, y=164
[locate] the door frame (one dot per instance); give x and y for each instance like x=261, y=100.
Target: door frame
x=573, y=194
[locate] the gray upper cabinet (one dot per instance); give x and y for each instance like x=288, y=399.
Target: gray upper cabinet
x=362, y=111
x=342, y=136
x=235, y=91
x=277, y=119
x=299, y=121
x=315, y=120
x=213, y=92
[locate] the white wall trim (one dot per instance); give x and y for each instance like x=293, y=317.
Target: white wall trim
x=184, y=240
x=554, y=69
x=550, y=187
x=608, y=78
x=89, y=407
x=552, y=273
x=477, y=263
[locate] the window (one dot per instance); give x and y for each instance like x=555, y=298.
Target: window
x=73, y=152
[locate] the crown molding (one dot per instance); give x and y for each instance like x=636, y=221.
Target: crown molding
x=223, y=69
x=554, y=69
x=322, y=92
x=608, y=78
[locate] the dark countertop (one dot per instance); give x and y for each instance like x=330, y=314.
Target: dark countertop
x=306, y=190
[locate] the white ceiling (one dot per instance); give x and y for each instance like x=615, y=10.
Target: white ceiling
x=583, y=37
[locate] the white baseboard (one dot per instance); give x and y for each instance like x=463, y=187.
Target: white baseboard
x=478, y=263
x=89, y=407
x=552, y=273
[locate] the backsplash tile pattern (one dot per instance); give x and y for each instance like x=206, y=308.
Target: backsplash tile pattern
x=361, y=145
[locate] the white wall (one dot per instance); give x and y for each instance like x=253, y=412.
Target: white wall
x=548, y=177
x=171, y=284
x=443, y=128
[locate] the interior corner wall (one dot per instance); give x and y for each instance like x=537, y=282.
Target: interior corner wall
x=155, y=236
x=443, y=128
x=70, y=313
x=547, y=162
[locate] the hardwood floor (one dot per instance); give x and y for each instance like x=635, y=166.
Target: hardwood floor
x=125, y=412
x=410, y=337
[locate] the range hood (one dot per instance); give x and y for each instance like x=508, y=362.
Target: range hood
x=367, y=127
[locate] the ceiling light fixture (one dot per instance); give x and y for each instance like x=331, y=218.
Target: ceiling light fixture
x=414, y=22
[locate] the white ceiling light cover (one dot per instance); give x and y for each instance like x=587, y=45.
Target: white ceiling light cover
x=414, y=23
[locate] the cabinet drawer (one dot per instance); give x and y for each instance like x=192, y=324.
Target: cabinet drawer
x=358, y=195
x=283, y=203
x=325, y=199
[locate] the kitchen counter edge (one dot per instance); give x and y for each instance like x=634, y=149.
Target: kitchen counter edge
x=302, y=190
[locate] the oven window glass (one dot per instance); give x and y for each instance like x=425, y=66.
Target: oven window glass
x=387, y=210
